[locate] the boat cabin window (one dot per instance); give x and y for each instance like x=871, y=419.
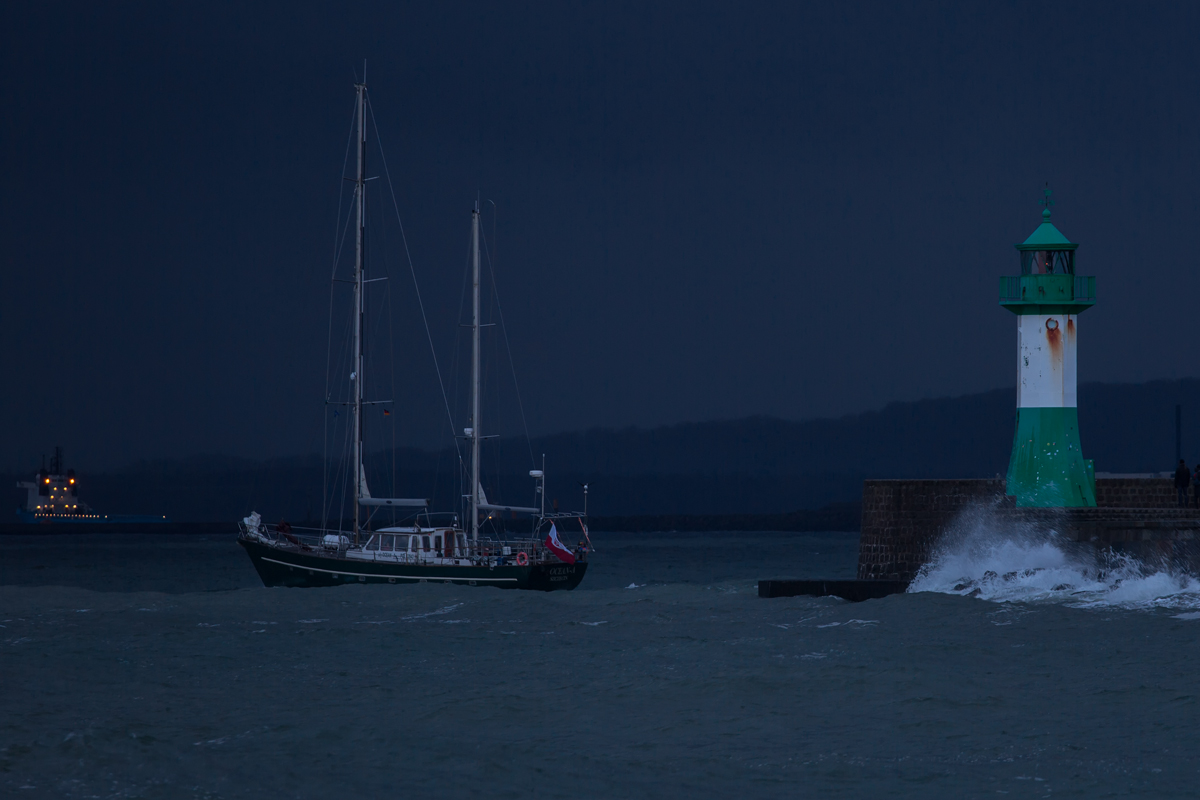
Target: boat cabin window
x=385, y=543
x=425, y=543
x=462, y=543
x=372, y=543
x=437, y=543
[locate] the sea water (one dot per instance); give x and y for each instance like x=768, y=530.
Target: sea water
x=159, y=667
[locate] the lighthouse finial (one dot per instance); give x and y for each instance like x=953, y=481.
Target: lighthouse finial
x=1046, y=201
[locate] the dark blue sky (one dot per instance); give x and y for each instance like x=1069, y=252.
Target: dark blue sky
x=704, y=210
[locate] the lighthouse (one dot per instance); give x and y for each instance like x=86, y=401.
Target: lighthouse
x=1047, y=468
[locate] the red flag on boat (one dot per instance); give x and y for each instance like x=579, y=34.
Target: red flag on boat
x=557, y=548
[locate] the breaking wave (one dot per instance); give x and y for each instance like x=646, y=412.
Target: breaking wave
x=997, y=559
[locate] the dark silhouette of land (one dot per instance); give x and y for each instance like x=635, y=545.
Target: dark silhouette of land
x=757, y=473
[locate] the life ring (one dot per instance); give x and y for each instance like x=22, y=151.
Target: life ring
x=522, y=559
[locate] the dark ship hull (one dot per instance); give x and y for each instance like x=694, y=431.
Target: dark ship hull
x=296, y=567
x=88, y=517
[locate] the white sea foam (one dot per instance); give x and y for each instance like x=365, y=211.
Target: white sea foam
x=994, y=559
x=434, y=613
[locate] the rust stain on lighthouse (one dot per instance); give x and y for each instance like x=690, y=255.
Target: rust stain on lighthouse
x=1054, y=339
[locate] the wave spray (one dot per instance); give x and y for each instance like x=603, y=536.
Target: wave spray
x=984, y=554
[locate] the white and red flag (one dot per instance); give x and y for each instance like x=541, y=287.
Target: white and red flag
x=563, y=553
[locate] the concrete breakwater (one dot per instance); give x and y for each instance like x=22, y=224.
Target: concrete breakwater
x=903, y=520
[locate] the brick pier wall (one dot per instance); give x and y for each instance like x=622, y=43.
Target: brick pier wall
x=1135, y=492
x=903, y=519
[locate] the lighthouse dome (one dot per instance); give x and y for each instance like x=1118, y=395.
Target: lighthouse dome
x=1047, y=237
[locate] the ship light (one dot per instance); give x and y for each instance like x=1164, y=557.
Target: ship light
x=72, y=480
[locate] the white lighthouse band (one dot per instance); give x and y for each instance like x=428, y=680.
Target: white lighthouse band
x=1046, y=361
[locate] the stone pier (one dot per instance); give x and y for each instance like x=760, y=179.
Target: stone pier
x=903, y=519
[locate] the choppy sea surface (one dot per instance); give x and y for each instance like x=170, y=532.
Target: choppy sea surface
x=159, y=667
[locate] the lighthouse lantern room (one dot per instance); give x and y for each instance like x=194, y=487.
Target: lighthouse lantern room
x=1047, y=467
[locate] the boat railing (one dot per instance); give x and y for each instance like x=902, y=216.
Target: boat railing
x=318, y=540
x=299, y=537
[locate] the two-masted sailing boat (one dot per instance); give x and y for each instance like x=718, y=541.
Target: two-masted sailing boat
x=476, y=555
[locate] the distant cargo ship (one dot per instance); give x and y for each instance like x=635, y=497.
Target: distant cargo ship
x=53, y=498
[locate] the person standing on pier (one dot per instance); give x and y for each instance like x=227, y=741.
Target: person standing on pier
x=1183, y=479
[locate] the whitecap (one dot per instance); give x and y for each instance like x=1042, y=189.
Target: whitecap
x=999, y=560
x=443, y=610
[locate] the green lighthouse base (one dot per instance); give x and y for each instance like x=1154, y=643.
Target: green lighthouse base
x=1047, y=468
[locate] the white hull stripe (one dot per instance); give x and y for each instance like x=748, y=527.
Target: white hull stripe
x=377, y=575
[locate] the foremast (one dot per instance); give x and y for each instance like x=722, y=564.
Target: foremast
x=475, y=426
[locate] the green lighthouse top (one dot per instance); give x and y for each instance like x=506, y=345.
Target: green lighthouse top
x=1047, y=237
x=1047, y=283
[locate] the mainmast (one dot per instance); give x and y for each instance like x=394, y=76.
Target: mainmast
x=356, y=379
x=475, y=432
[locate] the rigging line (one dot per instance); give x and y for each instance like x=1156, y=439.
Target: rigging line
x=412, y=269
x=392, y=356
x=337, y=245
x=507, y=346
x=387, y=309
x=343, y=364
x=458, y=336
x=463, y=479
x=337, y=250
x=345, y=473
x=329, y=339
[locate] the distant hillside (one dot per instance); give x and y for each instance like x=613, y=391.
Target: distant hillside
x=757, y=465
